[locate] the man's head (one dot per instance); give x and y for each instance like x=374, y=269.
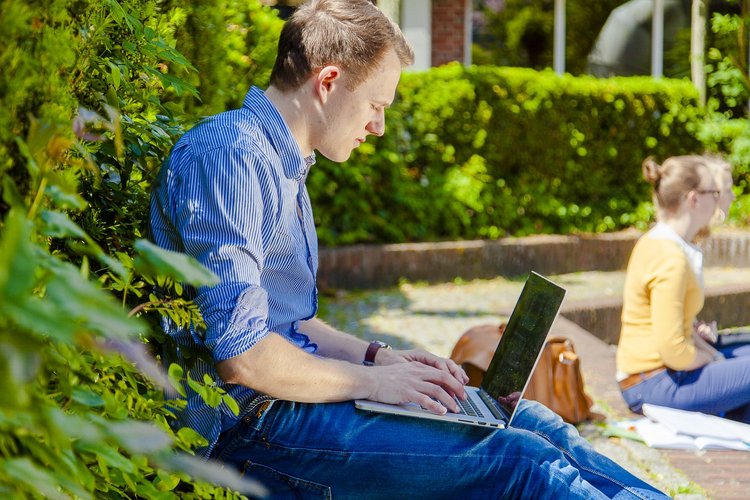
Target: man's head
x=352, y=34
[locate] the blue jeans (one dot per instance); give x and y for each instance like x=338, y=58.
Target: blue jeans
x=333, y=450
x=719, y=388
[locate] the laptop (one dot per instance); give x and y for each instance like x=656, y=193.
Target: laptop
x=494, y=403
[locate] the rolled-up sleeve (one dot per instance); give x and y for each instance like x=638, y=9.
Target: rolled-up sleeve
x=224, y=211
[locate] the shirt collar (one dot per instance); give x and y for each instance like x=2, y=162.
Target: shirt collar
x=295, y=165
x=694, y=254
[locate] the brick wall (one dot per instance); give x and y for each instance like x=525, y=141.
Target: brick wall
x=373, y=266
x=447, y=31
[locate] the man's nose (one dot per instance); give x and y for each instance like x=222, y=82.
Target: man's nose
x=377, y=126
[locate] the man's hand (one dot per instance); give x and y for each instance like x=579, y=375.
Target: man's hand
x=422, y=356
x=417, y=376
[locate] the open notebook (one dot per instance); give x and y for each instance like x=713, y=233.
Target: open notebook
x=494, y=402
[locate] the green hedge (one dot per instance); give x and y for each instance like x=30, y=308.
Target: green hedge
x=485, y=152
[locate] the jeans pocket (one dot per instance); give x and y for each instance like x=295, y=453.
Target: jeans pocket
x=282, y=486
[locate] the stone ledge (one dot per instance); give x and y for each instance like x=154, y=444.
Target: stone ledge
x=377, y=266
x=601, y=317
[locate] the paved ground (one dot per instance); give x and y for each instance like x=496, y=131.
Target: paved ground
x=434, y=316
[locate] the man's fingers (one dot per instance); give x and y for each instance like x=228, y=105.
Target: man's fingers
x=443, y=364
x=440, y=393
x=433, y=398
x=431, y=388
x=429, y=404
x=458, y=372
x=450, y=384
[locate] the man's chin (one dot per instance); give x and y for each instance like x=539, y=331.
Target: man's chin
x=337, y=156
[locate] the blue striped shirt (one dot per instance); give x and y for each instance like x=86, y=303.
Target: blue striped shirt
x=232, y=194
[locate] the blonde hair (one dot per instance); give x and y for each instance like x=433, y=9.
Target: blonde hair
x=354, y=34
x=673, y=179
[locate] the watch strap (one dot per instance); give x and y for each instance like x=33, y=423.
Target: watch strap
x=372, y=350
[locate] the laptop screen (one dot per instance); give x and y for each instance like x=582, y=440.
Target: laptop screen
x=522, y=341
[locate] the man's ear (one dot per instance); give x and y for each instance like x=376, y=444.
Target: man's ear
x=327, y=80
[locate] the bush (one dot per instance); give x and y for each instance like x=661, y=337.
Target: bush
x=232, y=43
x=485, y=152
x=93, y=94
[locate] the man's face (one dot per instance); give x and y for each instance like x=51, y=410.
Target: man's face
x=349, y=116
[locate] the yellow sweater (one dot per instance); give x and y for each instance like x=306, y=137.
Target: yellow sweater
x=661, y=299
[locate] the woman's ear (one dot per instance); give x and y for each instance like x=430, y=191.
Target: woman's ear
x=692, y=198
x=327, y=79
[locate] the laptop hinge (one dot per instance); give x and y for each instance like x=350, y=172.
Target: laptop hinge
x=494, y=406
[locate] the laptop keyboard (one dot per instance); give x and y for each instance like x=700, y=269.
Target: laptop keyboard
x=468, y=407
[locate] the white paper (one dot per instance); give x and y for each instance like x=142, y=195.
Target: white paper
x=680, y=429
x=657, y=435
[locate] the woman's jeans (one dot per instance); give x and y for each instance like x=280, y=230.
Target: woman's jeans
x=323, y=450
x=719, y=388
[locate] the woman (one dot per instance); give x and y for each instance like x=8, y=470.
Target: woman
x=663, y=356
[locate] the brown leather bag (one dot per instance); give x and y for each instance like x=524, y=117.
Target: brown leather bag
x=557, y=381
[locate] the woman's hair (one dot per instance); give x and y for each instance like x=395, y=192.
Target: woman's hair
x=354, y=34
x=718, y=166
x=674, y=178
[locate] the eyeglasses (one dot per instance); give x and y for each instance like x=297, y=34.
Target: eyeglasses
x=715, y=192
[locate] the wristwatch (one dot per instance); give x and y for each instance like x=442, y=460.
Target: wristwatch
x=372, y=350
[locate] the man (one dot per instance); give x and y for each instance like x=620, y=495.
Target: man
x=233, y=195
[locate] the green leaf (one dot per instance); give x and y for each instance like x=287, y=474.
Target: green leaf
x=191, y=437
x=31, y=164
x=166, y=482
x=20, y=361
x=175, y=375
x=35, y=478
x=11, y=195
x=41, y=317
x=231, y=403
x=65, y=199
x=176, y=371
x=116, y=75
x=118, y=13
x=81, y=302
x=139, y=437
x=17, y=260
x=87, y=398
x=213, y=473
x=108, y=455
x=59, y=225
x=11, y=418
x=158, y=261
x=74, y=426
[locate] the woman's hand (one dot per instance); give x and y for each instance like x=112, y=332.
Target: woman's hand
x=707, y=331
x=704, y=352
